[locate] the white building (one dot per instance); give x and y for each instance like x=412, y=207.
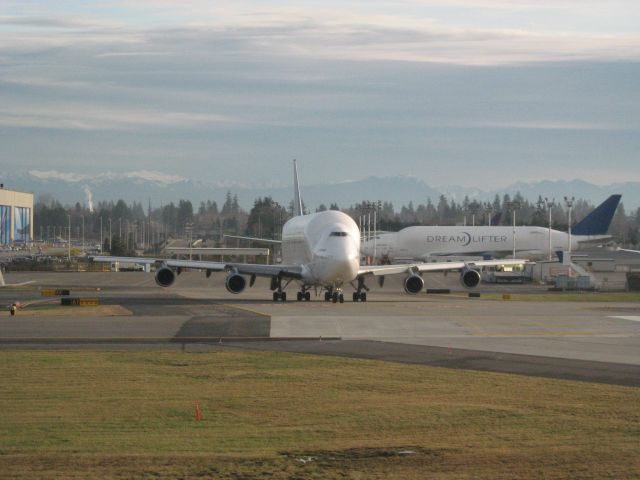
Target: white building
x=16, y=217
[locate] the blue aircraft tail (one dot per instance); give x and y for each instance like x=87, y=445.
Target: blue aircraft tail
x=598, y=221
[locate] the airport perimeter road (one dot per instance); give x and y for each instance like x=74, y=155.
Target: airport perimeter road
x=584, y=340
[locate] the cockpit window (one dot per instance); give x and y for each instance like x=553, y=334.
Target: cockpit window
x=338, y=234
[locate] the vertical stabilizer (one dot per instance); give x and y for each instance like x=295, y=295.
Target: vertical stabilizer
x=297, y=199
x=598, y=221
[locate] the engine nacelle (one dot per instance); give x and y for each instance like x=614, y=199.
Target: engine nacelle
x=413, y=284
x=165, y=277
x=235, y=283
x=469, y=278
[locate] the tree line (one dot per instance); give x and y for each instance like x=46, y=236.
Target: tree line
x=136, y=226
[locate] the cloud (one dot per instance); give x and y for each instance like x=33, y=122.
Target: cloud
x=322, y=33
x=86, y=116
x=73, y=177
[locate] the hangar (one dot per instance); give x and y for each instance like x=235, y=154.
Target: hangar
x=16, y=217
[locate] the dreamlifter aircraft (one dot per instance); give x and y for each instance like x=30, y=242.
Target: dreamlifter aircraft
x=318, y=250
x=422, y=242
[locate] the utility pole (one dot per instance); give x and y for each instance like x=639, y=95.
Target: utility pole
x=549, y=205
x=69, y=240
x=83, y=235
x=513, y=206
x=569, y=203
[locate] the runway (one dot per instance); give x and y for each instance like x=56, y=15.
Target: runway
x=586, y=341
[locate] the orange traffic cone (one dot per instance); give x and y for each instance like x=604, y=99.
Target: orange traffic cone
x=198, y=417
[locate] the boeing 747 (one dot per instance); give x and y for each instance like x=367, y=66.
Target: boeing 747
x=319, y=250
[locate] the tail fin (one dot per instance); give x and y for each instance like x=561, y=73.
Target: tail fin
x=297, y=199
x=598, y=221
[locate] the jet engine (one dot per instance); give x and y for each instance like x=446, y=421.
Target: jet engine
x=235, y=283
x=165, y=277
x=469, y=278
x=413, y=284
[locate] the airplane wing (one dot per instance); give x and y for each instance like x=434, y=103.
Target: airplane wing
x=285, y=271
x=255, y=239
x=379, y=270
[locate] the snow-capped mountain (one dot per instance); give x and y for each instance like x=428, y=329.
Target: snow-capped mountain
x=159, y=187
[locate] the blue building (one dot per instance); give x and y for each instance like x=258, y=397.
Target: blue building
x=16, y=217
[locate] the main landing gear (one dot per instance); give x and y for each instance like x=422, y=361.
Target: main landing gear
x=279, y=296
x=362, y=296
x=304, y=294
x=361, y=291
x=276, y=286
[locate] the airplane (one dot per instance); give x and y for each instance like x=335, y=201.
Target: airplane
x=424, y=242
x=319, y=250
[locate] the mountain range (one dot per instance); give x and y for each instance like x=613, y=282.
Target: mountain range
x=143, y=186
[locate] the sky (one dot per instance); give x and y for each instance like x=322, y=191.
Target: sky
x=478, y=93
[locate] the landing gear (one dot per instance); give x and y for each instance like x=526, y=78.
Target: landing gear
x=276, y=285
x=279, y=296
x=362, y=296
x=327, y=296
x=361, y=291
x=303, y=295
x=337, y=297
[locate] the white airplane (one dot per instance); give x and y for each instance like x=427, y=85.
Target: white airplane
x=423, y=242
x=318, y=250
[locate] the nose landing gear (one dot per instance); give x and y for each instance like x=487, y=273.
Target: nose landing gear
x=334, y=295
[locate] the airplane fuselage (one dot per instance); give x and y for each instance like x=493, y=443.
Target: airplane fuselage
x=422, y=242
x=326, y=245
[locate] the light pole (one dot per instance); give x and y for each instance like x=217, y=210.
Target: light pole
x=549, y=204
x=513, y=206
x=69, y=240
x=569, y=203
x=489, y=209
x=474, y=207
x=101, y=238
x=83, y=235
x=110, y=237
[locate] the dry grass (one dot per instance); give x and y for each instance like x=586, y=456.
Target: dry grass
x=131, y=415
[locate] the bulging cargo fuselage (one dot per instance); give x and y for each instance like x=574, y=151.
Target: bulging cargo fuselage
x=326, y=244
x=422, y=242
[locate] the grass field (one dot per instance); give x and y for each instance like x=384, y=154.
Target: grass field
x=97, y=414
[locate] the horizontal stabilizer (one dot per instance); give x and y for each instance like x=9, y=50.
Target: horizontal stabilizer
x=598, y=221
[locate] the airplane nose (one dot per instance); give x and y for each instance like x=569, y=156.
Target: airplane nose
x=346, y=267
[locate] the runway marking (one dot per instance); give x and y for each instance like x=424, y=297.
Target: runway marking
x=245, y=309
x=537, y=334
x=632, y=318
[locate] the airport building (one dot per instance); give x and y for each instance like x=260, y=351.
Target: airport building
x=16, y=217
